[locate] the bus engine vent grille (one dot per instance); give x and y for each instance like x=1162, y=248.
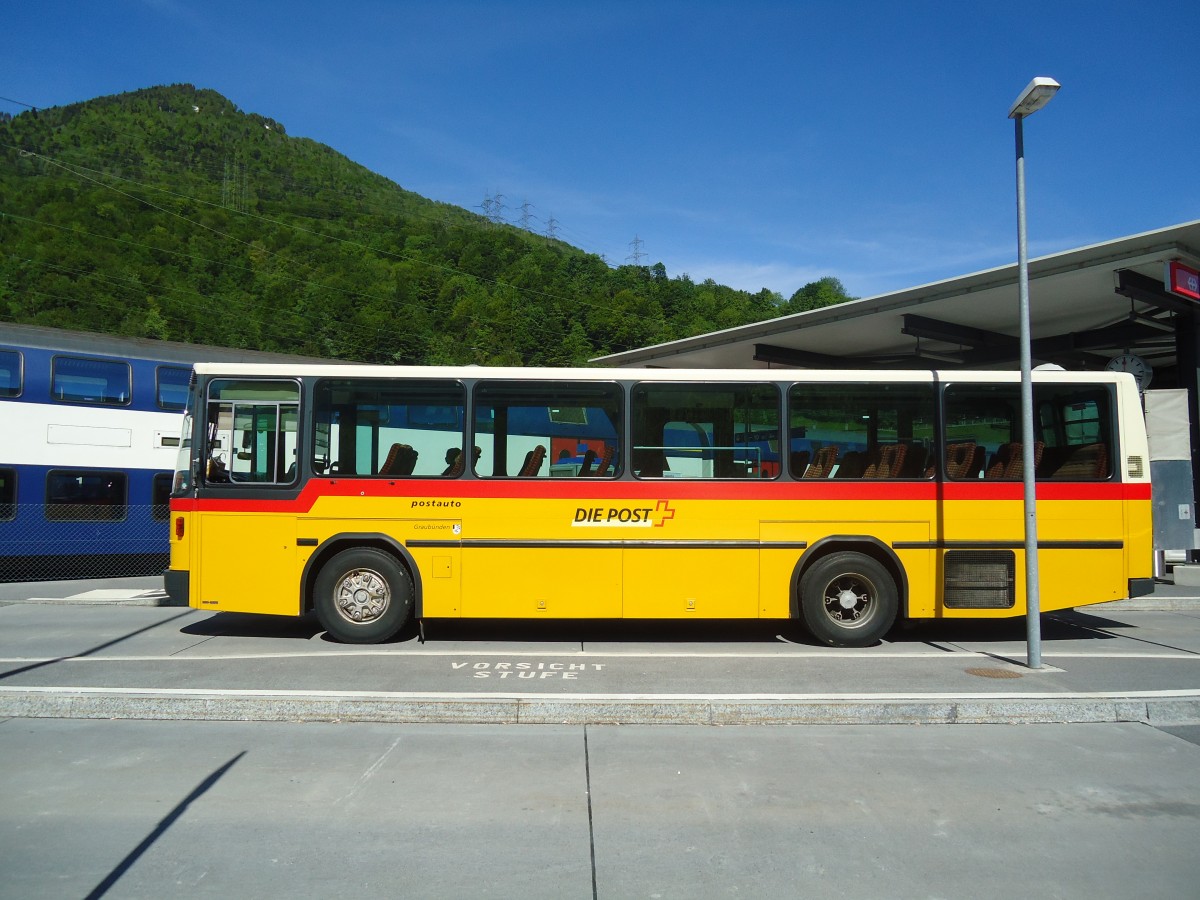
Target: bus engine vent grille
x=1135, y=466
x=980, y=579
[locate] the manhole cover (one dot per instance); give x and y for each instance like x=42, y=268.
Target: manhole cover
x=993, y=673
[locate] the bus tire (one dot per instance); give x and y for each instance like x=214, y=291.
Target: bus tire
x=363, y=596
x=848, y=599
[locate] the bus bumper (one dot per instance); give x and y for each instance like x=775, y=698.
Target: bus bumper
x=1140, y=587
x=175, y=582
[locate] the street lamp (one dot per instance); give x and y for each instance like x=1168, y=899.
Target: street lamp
x=1037, y=94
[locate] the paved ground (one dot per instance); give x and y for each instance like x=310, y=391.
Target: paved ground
x=90, y=654
x=319, y=769
x=253, y=809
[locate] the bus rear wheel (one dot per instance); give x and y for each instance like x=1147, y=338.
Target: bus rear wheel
x=363, y=596
x=848, y=599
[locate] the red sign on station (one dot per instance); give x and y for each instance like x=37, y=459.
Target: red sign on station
x=1183, y=280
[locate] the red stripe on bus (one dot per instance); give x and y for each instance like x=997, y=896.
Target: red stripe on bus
x=816, y=491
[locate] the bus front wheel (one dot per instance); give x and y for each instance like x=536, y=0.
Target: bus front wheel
x=848, y=599
x=363, y=596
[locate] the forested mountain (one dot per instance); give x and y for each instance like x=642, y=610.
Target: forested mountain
x=170, y=213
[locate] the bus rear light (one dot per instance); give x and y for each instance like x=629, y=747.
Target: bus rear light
x=179, y=528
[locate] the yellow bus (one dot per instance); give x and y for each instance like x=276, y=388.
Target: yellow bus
x=845, y=500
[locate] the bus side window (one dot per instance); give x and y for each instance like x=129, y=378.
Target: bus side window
x=880, y=431
x=384, y=428
x=543, y=429
x=705, y=430
x=1073, y=424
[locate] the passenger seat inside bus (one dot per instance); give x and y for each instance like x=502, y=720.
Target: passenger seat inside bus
x=822, y=462
x=1083, y=462
x=400, y=462
x=585, y=469
x=964, y=459
x=1008, y=462
x=606, y=459
x=886, y=461
x=533, y=461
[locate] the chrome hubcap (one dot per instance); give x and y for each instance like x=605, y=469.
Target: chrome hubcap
x=362, y=595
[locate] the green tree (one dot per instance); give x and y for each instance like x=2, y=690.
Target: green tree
x=825, y=291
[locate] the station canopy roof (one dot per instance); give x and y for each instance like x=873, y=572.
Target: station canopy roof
x=1087, y=305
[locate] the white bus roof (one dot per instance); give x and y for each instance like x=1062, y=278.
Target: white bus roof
x=275, y=370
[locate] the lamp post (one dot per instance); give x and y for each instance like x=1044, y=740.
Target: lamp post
x=1036, y=95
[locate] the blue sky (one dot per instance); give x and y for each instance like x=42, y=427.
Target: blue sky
x=759, y=144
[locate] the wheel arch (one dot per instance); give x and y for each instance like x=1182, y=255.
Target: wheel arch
x=860, y=543
x=331, y=546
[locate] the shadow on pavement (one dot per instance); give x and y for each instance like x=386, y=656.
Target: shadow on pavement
x=163, y=826
x=94, y=650
x=518, y=630
x=1061, y=625
x=1064, y=625
x=668, y=631
x=251, y=625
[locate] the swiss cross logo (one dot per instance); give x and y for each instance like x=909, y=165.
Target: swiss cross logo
x=1183, y=280
x=663, y=513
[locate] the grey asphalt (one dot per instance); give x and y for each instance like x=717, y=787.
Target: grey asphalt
x=108, y=650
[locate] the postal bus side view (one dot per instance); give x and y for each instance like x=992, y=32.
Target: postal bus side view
x=844, y=500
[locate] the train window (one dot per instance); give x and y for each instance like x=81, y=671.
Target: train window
x=160, y=497
x=8, y=495
x=85, y=496
x=10, y=373
x=173, y=387
x=78, y=380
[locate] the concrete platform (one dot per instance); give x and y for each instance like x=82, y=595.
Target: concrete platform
x=1186, y=576
x=84, y=657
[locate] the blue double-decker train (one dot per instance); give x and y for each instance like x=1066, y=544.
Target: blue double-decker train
x=89, y=430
